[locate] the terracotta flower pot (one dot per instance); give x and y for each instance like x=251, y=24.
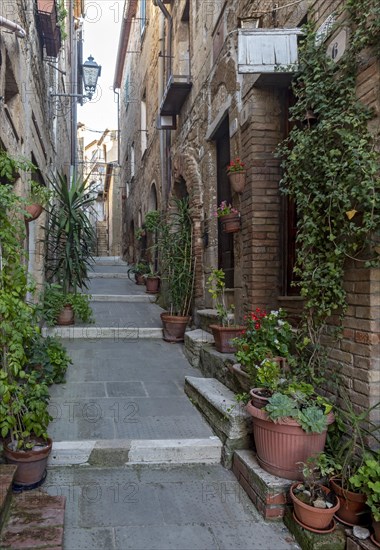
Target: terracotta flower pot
x=66, y=317
x=376, y=528
x=317, y=519
x=353, y=509
x=230, y=223
x=174, y=327
x=34, y=211
x=31, y=464
x=140, y=279
x=237, y=181
x=223, y=337
x=258, y=399
x=152, y=285
x=283, y=444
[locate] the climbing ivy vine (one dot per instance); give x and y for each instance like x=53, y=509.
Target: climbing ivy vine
x=331, y=168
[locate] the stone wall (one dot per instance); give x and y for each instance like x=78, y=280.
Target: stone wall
x=32, y=124
x=257, y=119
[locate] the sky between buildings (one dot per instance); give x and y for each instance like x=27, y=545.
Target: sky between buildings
x=102, y=24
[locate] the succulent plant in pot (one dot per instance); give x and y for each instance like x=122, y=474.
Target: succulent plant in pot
x=290, y=428
x=314, y=503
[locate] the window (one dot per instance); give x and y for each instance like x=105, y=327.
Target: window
x=142, y=16
x=143, y=127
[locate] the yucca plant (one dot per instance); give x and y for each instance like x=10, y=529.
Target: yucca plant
x=71, y=236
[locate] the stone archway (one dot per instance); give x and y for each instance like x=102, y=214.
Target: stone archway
x=186, y=173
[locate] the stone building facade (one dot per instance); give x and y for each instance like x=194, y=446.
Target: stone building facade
x=180, y=59
x=36, y=60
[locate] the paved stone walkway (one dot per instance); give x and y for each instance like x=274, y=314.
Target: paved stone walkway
x=136, y=461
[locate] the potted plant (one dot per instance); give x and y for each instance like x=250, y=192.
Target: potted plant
x=229, y=217
x=265, y=336
x=138, y=271
x=367, y=481
x=236, y=175
x=347, y=453
x=71, y=239
x=60, y=308
x=140, y=233
x=40, y=196
x=290, y=428
x=174, y=246
x=314, y=503
x=152, y=280
x=227, y=330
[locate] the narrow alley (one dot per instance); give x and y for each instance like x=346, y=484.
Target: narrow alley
x=137, y=463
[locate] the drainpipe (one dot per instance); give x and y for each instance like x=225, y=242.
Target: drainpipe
x=161, y=77
x=165, y=142
x=117, y=92
x=13, y=27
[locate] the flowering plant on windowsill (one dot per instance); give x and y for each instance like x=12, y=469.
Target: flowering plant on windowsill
x=236, y=166
x=224, y=209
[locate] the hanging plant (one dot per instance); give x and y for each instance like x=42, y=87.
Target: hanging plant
x=331, y=170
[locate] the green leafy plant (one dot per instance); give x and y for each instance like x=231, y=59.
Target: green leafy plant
x=140, y=233
x=217, y=287
x=48, y=359
x=40, y=194
x=54, y=299
x=71, y=236
x=174, y=246
x=23, y=400
x=334, y=181
x=367, y=481
x=265, y=336
x=61, y=17
x=152, y=220
x=141, y=268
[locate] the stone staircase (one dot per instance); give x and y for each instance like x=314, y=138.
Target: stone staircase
x=101, y=239
x=29, y=520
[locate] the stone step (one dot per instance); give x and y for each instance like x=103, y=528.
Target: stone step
x=7, y=472
x=194, y=342
x=91, y=332
x=214, y=364
x=122, y=298
x=131, y=452
x=36, y=521
x=268, y=493
x=228, y=419
x=337, y=540
x=110, y=260
x=108, y=275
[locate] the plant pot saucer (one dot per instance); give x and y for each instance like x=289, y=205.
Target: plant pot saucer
x=19, y=488
x=366, y=524
x=375, y=542
x=329, y=529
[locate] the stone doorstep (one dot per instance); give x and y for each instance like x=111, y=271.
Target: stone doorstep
x=226, y=417
x=194, y=342
x=7, y=472
x=36, y=522
x=268, y=493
